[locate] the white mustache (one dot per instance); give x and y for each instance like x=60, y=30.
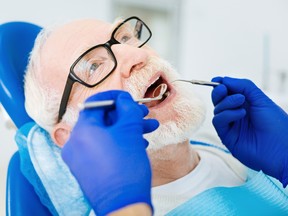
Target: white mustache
x=138, y=81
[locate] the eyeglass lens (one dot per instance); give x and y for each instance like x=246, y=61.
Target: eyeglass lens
x=133, y=32
x=95, y=65
x=99, y=62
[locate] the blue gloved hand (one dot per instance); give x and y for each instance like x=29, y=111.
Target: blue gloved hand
x=106, y=153
x=251, y=126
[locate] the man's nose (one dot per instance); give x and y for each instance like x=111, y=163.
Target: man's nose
x=129, y=58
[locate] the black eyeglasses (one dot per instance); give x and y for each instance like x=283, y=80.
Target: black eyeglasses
x=98, y=62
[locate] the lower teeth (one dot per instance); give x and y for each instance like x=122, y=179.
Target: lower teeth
x=166, y=94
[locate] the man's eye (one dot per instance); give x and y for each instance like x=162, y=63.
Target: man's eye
x=125, y=38
x=93, y=68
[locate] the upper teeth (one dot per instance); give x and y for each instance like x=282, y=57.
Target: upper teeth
x=153, y=81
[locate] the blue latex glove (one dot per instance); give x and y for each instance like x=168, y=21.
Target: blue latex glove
x=252, y=126
x=106, y=153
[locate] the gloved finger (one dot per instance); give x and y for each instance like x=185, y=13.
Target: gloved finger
x=229, y=102
x=150, y=125
x=243, y=86
x=218, y=93
x=246, y=87
x=217, y=79
x=144, y=109
x=106, y=95
x=222, y=120
x=146, y=143
x=129, y=109
x=92, y=116
x=100, y=116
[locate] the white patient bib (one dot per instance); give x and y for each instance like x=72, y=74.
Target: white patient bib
x=211, y=171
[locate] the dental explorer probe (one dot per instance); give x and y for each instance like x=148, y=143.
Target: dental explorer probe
x=106, y=103
x=162, y=87
x=199, y=82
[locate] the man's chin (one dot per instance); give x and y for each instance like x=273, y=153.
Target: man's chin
x=160, y=138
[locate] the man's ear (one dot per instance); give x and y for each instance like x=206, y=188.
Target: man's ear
x=60, y=134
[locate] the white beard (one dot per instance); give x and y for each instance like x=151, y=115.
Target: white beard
x=184, y=114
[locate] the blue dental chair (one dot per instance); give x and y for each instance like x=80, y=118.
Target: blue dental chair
x=16, y=42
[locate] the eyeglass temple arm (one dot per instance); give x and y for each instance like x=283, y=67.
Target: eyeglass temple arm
x=65, y=98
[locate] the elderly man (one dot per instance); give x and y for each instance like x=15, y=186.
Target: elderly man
x=74, y=61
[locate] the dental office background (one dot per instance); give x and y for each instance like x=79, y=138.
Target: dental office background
x=201, y=38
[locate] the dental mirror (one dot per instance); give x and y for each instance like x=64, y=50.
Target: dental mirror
x=157, y=94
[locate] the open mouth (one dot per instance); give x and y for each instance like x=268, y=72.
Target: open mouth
x=154, y=91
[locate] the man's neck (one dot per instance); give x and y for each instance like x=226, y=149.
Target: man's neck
x=172, y=162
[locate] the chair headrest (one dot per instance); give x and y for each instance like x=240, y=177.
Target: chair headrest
x=16, y=42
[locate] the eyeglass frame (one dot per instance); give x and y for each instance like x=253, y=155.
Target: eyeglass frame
x=72, y=77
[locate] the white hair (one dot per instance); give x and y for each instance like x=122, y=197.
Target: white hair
x=42, y=103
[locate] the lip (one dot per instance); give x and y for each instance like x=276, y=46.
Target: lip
x=172, y=91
